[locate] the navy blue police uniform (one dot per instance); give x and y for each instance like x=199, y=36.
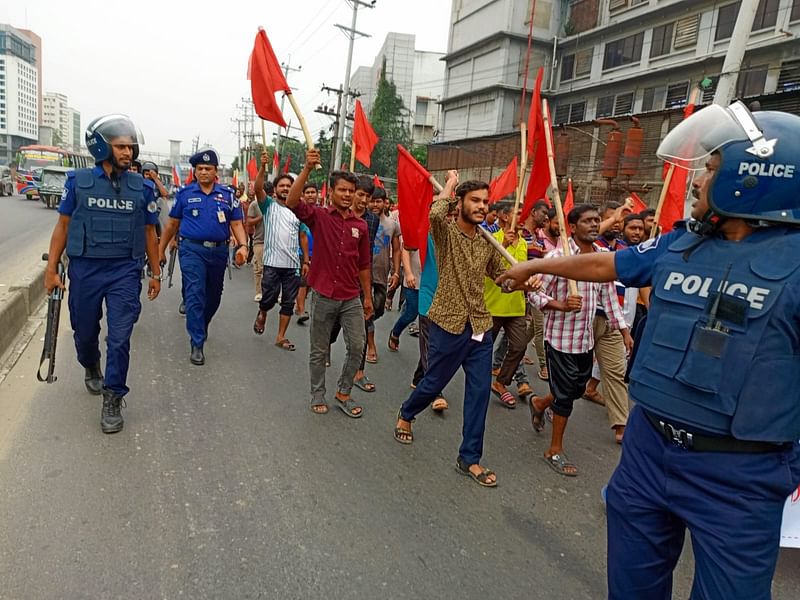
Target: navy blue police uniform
x=712, y=442
x=205, y=222
x=106, y=247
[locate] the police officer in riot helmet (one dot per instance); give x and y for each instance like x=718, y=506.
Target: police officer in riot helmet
x=708, y=446
x=106, y=224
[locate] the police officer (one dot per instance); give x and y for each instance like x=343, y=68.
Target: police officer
x=712, y=442
x=204, y=215
x=107, y=224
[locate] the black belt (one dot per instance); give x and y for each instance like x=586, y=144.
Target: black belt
x=205, y=243
x=708, y=443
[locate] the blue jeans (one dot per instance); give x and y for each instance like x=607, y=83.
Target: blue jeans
x=446, y=353
x=410, y=312
x=731, y=503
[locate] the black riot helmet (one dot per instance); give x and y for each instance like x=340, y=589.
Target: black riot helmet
x=101, y=132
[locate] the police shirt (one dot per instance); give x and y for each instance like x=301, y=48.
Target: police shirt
x=67, y=205
x=206, y=217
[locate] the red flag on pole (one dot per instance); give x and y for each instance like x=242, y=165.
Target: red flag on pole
x=364, y=136
x=539, y=180
x=288, y=164
x=252, y=169
x=414, y=196
x=638, y=203
x=266, y=79
x=189, y=177
x=505, y=183
x=276, y=161
x=176, y=179
x=673, y=207
x=569, y=200
x=535, y=122
x=235, y=179
x=377, y=181
x=324, y=193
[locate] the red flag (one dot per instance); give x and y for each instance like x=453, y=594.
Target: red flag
x=276, y=161
x=569, y=201
x=288, y=164
x=377, y=181
x=235, y=180
x=252, y=169
x=364, y=136
x=189, y=177
x=505, y=183
x=266, y=79
x=414, y=195
x=674, y=201
x=638, y=203
x=176, y=179
x=535, y=122
x=324, y=193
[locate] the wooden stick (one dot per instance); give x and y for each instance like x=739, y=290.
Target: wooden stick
x=562, y=227
x=353, y=156
x=654, y=229
x=523, y=165
x=488, y=236
x=303, y=124
x=263, y=135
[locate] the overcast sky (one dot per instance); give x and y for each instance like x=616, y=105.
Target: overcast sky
x=179, y=69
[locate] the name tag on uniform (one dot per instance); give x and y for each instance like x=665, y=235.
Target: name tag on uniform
x=354, y=231
x=220, y=216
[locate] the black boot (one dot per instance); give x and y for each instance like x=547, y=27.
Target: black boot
x=196, y=356
x=111, y=416
x=93, y=379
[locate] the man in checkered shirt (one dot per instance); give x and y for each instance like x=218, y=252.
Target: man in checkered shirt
x=568, y=334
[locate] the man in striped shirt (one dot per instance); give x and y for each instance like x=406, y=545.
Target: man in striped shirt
x=568, y=335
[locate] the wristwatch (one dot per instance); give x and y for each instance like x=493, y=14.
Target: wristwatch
x=159, y=277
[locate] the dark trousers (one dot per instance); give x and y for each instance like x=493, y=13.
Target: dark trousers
x=516, y=329
x=422, y=364
x=446, y=353
x=731, y=503
x=203, y=276
x=277, y=281
x=115, y=281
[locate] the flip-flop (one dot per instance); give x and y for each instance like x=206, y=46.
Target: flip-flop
x=371, y=359
x=440, y=404
x=393, y=343
x=544, y=375
x=260, y=322
x=285, y=344
x=319, y=403
x=481, y=479
x=347, y=407
x=537, y=416
x=558, y=462
x=506, y=398
x=303, y=318
x=363, y=383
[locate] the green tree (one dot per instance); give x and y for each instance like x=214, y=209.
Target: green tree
x=57, y=140
x=389, y=118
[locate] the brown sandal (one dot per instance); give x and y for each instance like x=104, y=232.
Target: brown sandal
x=261, y=321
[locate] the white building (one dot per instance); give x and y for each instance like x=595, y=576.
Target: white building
x=62, y=118
x=418, y=76
x=19, y=109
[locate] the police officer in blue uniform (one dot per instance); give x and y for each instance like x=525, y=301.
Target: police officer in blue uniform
x=107, y=218
x=205, y=215
x=712, y=442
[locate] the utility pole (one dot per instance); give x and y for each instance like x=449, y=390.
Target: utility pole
x=351, y=33
x=726, y=87
x=286, y=68
x=325, y=110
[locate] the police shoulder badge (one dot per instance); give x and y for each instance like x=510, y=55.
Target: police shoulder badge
x=152, y=206
x=650, y=244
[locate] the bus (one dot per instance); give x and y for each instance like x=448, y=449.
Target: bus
x=30, y=161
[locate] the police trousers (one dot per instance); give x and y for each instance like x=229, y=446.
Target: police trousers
x=117, y=282
x=732, y=504
x=203, y=276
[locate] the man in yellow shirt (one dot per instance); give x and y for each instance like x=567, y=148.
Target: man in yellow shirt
x=508, y=314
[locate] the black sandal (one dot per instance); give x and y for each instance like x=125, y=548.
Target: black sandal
x=481, y=479
x=404, y=436
x=537, y=416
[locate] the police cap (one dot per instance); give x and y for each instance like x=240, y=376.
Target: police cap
x=205, y=156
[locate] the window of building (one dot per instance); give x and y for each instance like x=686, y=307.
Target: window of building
x=766, y=15
x=614, y=5
x=567, y=67
x=676, y=94
x=569, y=113
x=686, y=31
x=726, y=19
x=708, y=93
x=662, y=40
x=577, y=64
x=623, y=105
x=623, y=52
x=789, y=79
x=751, y=81
x=605, y=106
x=795, y=15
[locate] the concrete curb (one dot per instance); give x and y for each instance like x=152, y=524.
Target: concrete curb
x=16, y=306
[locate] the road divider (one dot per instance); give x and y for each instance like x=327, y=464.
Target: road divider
x=18, y=303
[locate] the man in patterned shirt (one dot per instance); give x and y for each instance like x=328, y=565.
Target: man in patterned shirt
x=460, y=328
x=568, y=335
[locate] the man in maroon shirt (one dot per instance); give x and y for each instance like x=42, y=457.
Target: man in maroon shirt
x=341, y=272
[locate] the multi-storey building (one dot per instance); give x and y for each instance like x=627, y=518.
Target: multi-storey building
x=603, y=59
x=19, y=91
x=418, y=76
x=63, y=119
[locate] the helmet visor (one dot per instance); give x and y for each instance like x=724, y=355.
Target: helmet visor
x=118, y=126
x=691, y=143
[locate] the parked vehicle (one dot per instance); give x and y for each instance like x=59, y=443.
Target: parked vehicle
x=6, y=182
x=52, y=185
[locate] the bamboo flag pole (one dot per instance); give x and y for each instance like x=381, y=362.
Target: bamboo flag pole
x=353, y=156
x=263, y=135
x=562, y=227
x=303, y=124
x=488, y=236
x=664, y=190
x=523, y=130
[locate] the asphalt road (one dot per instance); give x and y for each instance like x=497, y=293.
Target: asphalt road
x=25, y=229
x=223, y=484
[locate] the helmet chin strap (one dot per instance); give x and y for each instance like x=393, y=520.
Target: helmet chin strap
x=708, y=224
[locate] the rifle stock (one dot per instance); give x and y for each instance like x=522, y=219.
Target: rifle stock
x=173, y=253
x=51, y=331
